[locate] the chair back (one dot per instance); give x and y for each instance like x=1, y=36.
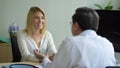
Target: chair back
x=113, y=67
x=15, y=49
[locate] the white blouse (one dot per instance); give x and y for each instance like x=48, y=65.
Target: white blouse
x=26, y=45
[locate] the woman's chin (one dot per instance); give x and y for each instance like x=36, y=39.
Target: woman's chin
x=40, y=27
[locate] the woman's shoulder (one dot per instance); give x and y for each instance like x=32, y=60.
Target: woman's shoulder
x=47, y=33
x=21, y=32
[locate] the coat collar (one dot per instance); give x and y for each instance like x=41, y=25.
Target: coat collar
x=88, y=33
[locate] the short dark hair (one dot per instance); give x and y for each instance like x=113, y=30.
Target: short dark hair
x=87, y=18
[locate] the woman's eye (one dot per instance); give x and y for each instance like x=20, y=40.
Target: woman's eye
x=43, y=17
x=36, y=17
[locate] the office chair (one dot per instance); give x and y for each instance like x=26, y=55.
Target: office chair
x=15, y=49
x=113, y=67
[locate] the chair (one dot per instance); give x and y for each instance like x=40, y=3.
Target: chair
x=15, y=49
x=113, y=67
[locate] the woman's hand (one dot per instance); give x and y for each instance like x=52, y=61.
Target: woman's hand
x=51, y=57
x=39, y=55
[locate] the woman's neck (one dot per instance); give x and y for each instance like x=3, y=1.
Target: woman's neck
x=36, y=33
x=37, y=36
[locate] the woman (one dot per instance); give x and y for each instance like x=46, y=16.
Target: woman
x=35, y=39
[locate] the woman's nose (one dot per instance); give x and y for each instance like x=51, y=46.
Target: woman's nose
x=40, y=20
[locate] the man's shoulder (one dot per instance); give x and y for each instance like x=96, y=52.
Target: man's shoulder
x=74, y=38
x=68, y=41
x=104, y=39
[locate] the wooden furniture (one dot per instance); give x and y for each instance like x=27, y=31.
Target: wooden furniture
x=5, y=53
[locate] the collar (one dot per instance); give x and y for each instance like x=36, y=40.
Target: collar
x=88, y=33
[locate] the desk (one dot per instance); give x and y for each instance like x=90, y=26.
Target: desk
x=5, y=53
x=31, y=63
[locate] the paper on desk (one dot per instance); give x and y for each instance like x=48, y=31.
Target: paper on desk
x=5, y=66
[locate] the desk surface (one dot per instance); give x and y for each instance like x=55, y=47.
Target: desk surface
x=32, y=63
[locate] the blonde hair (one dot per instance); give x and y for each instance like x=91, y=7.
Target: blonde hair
x=29, y=22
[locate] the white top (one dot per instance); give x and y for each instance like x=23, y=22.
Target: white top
x=27, y=45
x=87, y=50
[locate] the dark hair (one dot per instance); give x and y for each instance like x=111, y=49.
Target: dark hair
x=87, y=18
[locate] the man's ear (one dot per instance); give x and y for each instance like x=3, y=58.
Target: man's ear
x=77, y=28
x=76, y=25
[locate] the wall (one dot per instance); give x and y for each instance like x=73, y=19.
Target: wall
x=58, y=14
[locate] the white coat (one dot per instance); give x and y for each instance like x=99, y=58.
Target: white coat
x=87, y=50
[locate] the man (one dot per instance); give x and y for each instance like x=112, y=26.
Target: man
x=85, y=49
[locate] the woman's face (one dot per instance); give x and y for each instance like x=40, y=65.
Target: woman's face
x=39, y=20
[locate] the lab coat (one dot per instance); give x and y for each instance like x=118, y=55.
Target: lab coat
x=87, y=50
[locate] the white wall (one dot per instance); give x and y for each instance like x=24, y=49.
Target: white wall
x=58, y=14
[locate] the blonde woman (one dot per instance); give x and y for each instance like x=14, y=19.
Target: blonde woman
x=35, y=39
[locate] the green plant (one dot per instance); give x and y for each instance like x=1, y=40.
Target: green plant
x=119, y=5
x=119, y=8
x=107, y=7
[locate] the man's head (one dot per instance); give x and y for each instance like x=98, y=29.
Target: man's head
x=83, y=19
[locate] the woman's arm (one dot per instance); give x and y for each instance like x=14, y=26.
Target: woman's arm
x=51, y=57
x=51, y=49
x=23, y=47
